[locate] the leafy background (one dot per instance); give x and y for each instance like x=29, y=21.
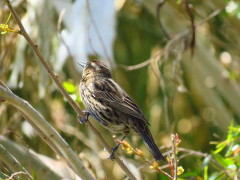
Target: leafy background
x=195, y=94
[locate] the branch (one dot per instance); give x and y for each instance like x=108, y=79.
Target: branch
x=63, y=91
x=173, y=40
x=46, y=131
x=43, y=166
x=17, y=174
x=130, y=150
x=12, y=162
x=191, y=16
x=190, y=152
x=175, y=161
x=159, y=6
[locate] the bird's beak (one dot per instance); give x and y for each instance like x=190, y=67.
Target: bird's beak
x=82, y=64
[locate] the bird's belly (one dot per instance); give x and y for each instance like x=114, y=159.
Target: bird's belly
x=110, y=122
x=117, y=128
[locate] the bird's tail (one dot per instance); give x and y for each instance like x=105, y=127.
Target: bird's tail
x=151, y=145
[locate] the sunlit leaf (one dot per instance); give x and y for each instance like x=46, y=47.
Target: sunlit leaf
x=69, y=87
x=205, y=177
x=225, y=162
x=220, y=147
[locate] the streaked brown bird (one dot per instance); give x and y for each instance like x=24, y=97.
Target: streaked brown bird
x=112, y=107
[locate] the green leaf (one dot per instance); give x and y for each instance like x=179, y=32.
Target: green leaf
x=220, y=147
x=70, y=88
x=225, y=162
x=205, y=177
x=4, y=32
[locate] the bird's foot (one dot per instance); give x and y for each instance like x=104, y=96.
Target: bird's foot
x=111, y=156
x=83, y=120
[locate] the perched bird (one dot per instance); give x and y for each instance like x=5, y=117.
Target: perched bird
x=112, y=107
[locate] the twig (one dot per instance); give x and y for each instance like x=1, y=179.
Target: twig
x=190, y=152
x=159, y=6
x=178, y=36
x=63, y=91
x=191, y=16
x=175, y=161
x=25, y=145
x=153, y=165
x=17, y=174
x=212, y=15
x=46, y=131
x=12, y=162
x=143, y=64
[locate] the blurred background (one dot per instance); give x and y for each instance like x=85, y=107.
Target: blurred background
x=179, y=61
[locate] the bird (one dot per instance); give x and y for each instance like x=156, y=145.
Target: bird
x=112, y=107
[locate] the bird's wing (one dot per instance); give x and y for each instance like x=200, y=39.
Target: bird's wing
x=114, y=96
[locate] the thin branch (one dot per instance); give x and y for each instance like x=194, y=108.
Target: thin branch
x=37, y=163
x=190, y=152
x=178, y=36
x=191, y=16
x=143, y=64
x=63, y=91
x=12, y=163
x=130, y=150
x=46, y=131
x=24, y=143
x=159, y=6
x=18, y=174
x=175, y=161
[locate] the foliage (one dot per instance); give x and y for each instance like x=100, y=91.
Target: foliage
x=224, y=162
x=195, y=95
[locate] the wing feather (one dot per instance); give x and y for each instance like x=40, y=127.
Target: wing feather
x=114, y=96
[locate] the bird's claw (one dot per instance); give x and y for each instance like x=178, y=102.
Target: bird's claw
x=111, y=156
x=83, y=120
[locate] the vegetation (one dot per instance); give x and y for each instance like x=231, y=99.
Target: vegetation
x=179, y=60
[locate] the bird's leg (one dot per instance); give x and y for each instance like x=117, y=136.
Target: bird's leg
x=111, y=156
x=84, y=120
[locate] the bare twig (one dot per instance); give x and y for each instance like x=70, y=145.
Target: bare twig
x=12, y=162
x=46, y=131
x=25, y=145
x=18, y=174
x=191, y=16
x=159, y=6
x=190, y=152
x=158, y=55
x=63, y=91
x=178, y=36
x=175, y=161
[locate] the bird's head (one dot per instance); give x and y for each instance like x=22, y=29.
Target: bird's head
x=95, y=69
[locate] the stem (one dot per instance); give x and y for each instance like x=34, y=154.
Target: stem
x=175, y=161
x=12, y=162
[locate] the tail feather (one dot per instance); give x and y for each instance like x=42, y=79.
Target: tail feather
x=151, y=145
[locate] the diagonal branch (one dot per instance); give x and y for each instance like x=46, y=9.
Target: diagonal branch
x=12, y=162
x=62, y=90
x=47, y=132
